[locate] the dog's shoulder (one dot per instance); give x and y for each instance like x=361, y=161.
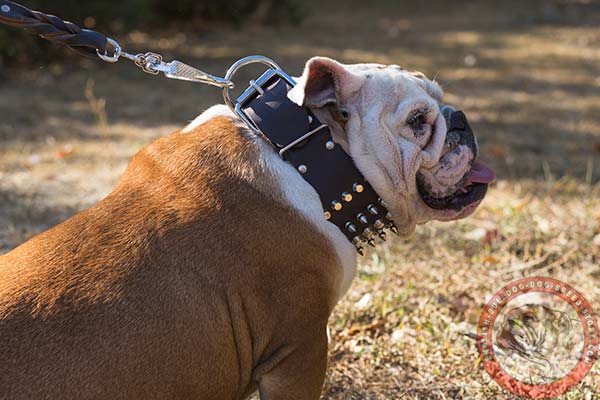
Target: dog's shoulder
x=214, y=146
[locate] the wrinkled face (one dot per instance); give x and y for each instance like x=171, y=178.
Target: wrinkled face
x=389, y=120
x=532, y=328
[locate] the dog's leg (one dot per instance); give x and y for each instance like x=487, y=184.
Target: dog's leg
x=297, y=375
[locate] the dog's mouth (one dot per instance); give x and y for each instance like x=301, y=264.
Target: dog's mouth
x=471, y=189
x=437, y=187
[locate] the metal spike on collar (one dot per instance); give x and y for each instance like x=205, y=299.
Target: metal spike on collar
x=361, y=217
x=368, y=237
x=357, y=241
x=350, y=227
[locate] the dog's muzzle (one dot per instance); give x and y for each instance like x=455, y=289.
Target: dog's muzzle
x=458, y=128
x=472, y=187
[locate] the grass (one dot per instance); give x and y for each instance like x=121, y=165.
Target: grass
x=403, y=330
x=527, y=75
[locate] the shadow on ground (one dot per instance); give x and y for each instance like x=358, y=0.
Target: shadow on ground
x=26, y=215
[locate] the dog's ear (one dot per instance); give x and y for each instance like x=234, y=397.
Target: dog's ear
x=562, y=321
x=325, y=83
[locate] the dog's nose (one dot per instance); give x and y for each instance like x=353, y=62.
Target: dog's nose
x=458, y=128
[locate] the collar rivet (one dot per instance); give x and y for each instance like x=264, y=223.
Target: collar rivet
x=336, y=205
x=329, y=145
x=327, y=215
x=358, y=188
x=302, y=168
x=347, y=197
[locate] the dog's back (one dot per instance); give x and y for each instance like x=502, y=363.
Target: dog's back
x=157, y=291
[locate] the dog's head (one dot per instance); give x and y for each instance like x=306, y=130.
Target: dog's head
x=390, y=122
x=533, y=328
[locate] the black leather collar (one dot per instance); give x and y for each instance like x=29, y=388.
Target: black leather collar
x=301, y=139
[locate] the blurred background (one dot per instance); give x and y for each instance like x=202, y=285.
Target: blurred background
x=527, y=74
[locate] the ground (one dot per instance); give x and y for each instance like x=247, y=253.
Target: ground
x=527, y=74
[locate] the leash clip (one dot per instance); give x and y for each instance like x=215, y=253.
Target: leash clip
x=152, y=63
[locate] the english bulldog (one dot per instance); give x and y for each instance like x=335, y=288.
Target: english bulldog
x=539, y=342
x=210, y=271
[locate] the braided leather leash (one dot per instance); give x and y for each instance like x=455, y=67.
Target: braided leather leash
x=94, y=44
x=84, y=41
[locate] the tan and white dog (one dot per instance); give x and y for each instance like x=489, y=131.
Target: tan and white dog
x=209, y=271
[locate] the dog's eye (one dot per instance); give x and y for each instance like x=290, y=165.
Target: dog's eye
x=417, y=119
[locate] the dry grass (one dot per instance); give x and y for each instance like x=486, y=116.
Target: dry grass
x=528, y=76
x=402, y=330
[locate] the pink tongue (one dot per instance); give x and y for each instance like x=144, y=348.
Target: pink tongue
x=480, y=174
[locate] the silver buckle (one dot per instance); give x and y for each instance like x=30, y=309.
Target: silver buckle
x=256, y=87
